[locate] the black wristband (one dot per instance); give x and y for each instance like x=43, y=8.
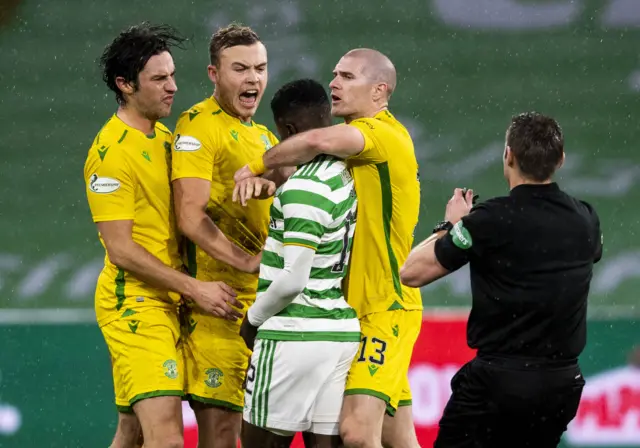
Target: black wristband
x=443, y=225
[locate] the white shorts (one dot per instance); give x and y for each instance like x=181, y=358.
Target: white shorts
x=295, y=386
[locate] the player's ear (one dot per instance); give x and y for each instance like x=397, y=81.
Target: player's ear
x=212, y=70
x=291, y=129
x=379, y=91
x=561, y=161
x=128, y=88
x=509, y=157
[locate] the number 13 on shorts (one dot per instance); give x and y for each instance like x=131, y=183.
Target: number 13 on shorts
x=372, y=350
x=372, y=371
x=381, y=367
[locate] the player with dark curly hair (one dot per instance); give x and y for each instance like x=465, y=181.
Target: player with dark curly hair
x=139, y=290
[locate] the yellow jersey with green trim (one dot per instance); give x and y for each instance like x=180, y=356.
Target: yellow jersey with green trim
x=127, y=178
x=385, y=173
x=211, y=144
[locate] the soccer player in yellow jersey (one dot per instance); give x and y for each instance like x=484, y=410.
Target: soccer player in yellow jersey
x=129, y=193
x=212, y=140
x=381, y=155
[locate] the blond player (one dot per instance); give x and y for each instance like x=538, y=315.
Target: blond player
x=380, y=153
x=128, y=189
x=212, y=140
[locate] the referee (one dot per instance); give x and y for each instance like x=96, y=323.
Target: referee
x=531, y=257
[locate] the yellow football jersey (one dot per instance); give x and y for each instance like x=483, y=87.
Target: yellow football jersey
x=385, y=173
x=127, y=178
x=211, y=144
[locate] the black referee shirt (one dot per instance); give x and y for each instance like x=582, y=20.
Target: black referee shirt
x=531, y=256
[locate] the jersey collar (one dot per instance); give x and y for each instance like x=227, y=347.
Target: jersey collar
x=529, y=190
x=216, y=106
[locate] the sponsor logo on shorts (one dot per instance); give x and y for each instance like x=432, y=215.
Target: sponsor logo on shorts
x=103, y=184
x=170, y=369
x=460, y=236
x=214, y=377
x=192, y=325
x=133, y=325
x=186, y=143
x=396, y=330
x=372, y=369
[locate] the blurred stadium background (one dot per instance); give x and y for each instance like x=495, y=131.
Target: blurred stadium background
x=464, y=68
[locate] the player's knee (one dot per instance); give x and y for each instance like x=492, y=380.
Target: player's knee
x=354, y=440
x=229, y=427
x=356, y=436
x=174, y=441
x=400, y=442
x=218, y=428
x=400, y=439
x=128, y=431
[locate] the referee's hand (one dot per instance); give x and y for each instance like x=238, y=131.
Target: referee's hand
x=459, y=205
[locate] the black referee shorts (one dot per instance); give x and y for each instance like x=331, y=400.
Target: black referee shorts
x=498, y=402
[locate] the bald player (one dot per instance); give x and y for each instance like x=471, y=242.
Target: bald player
x=380, y=153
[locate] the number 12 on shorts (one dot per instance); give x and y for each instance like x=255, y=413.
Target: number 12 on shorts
x=378, y=345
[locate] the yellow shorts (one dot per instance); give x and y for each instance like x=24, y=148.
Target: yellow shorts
x=146, y=356
x=216, y=360
x=381, y=366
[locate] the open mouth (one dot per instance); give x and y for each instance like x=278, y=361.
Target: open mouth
x=335, y=98
x=248, y=98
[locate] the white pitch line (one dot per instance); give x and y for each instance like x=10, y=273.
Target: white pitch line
x=47, y=316
x=72, y=316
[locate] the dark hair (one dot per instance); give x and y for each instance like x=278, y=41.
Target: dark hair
x=537, y=144
x=296, y=97
x=230, y=36
x=130, y=51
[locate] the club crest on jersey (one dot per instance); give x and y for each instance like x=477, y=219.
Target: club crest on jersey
x=186, y=143
x=103, y=185
x=214, y=377
x=267, y=143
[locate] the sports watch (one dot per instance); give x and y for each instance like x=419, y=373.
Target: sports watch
x=443, y=225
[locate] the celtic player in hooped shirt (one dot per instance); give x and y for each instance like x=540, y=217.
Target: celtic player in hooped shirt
x=307, y=250
x=307, y=334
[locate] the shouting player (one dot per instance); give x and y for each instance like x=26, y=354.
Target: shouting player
x=213, y=139
x=379, y=150
x=307, y=333
x=128, y=188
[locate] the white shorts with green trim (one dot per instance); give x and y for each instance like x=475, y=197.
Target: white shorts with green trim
x=297, y=386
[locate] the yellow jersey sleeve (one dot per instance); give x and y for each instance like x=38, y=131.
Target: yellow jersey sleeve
x=111, y=190
x=193, y=150
x=375, y=133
